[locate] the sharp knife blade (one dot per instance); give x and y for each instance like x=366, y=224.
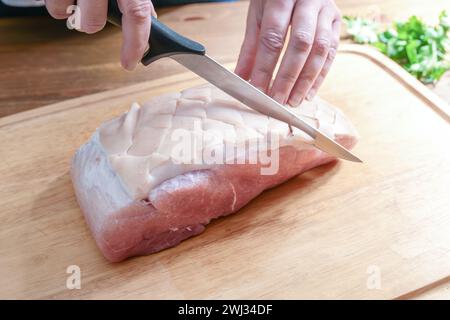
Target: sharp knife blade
x=243, y=91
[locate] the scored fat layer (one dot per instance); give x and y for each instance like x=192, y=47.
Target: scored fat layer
x=139, y=143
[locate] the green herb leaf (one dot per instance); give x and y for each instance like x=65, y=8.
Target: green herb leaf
x=421, y=49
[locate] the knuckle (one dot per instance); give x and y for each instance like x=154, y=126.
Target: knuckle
x=322, y=46
x=332, y=53
x=302, y=40
x=139, y=10
x=264, y=70
x=272, y=40
x=288, y=77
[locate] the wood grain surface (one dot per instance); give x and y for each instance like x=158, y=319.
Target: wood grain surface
x=42, y=62
x=375, y=230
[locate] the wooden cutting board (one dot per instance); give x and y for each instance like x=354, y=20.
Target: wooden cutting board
x=344, y=230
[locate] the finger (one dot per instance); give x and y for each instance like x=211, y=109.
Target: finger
x=303, y=29
x=316, y=58
x=58, y=8
x=274, y=26
x=326, y=67
x=93, y=15
x=247, y=54
x=136, y=23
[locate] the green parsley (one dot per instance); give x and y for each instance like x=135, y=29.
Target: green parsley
x=421, y=49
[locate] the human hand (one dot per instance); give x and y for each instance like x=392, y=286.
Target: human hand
x=313, y=41
x=136, y=23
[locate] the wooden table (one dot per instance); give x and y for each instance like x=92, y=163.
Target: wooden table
x=44, y=63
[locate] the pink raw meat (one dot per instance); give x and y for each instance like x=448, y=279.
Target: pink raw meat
x=130, y=216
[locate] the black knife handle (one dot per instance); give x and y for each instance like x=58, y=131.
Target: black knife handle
x=164, y=42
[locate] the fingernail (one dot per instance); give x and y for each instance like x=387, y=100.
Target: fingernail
x=295, y=101
x=311, y=95
x=130, y=66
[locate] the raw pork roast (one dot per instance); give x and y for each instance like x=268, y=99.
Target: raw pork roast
x=139, y=196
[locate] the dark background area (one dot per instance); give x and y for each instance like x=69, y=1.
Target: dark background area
x=7, y=11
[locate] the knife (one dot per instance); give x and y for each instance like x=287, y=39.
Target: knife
x=164, y=42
